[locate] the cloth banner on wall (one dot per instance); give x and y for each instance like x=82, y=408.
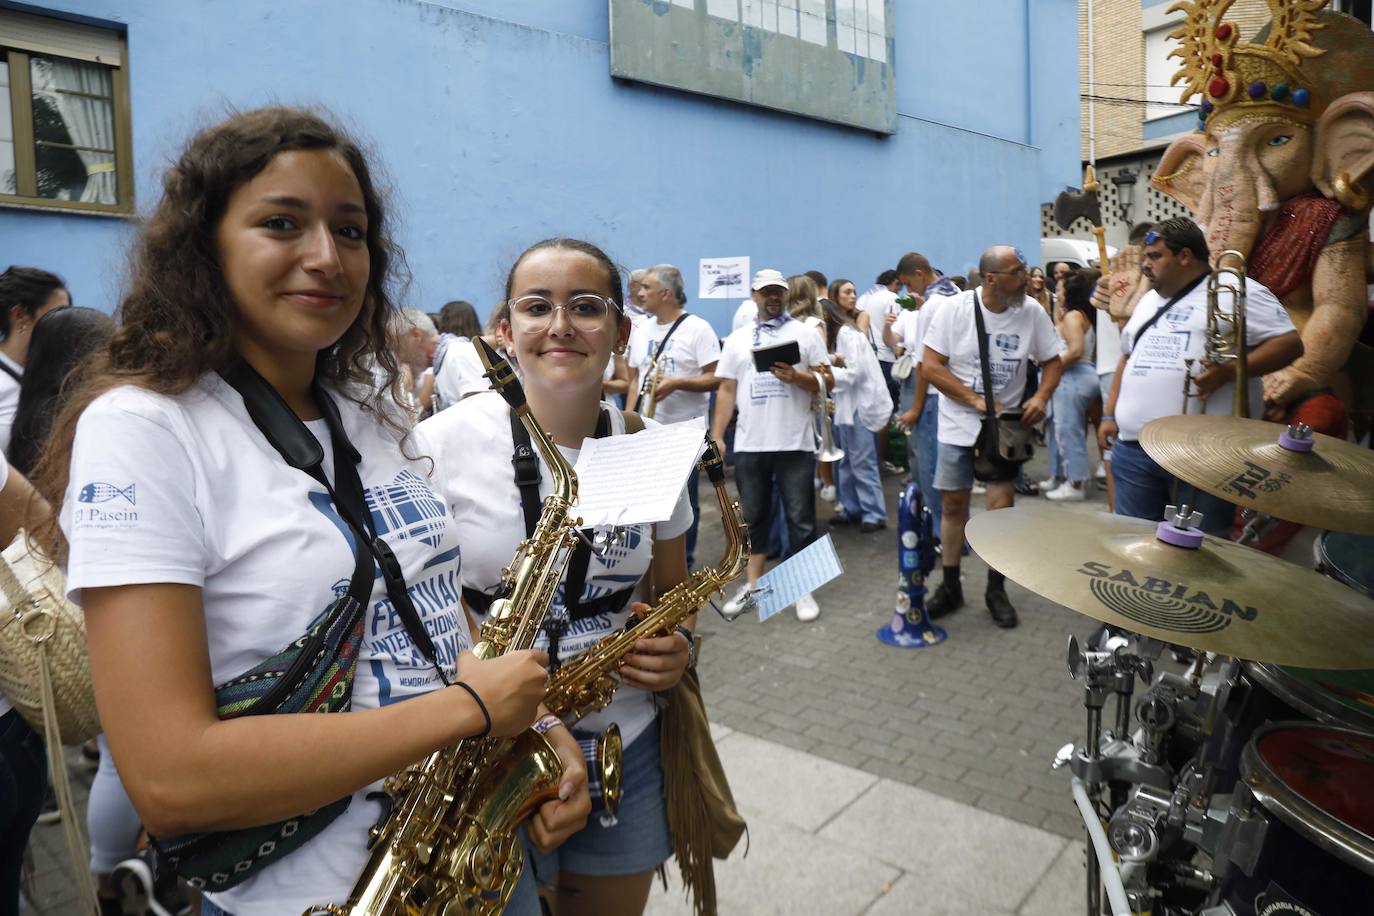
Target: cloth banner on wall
x=723, y=278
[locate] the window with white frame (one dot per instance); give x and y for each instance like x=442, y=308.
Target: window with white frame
x=64, y=116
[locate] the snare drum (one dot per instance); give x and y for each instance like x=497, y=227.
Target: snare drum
x=1347, y=558
x=1299, y=837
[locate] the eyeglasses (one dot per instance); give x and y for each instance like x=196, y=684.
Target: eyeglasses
x=586, y=312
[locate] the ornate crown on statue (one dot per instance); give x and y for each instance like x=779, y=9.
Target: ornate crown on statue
x=1239, y=80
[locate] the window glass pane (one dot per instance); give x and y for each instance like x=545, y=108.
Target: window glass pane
x=72, y=107
x=7, y=185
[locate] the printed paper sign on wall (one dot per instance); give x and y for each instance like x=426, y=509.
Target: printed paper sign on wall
x=723, y=278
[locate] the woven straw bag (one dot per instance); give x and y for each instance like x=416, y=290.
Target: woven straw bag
x=44, y=668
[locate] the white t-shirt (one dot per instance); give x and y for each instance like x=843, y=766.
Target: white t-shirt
x=744, y=315
x=773, y=415
x=185, y=489
x=692, y=347
x=1108, y=343
x=9, y=399
x=1016, y=334
x=1153, y=383
x=878, y=302
x=471, y=446
x=459, y=373
x=861, y=395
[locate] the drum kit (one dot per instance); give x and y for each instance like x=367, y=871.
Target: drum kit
x=1239, y=781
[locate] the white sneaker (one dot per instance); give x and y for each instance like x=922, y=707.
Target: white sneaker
x=978, y=489
x=1067, y=492
x=828, y=493
x=1048, y=484
x=806, y=608
x=735, y=604
x=1101, y=472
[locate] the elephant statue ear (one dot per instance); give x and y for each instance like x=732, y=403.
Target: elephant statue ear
x=1180, y=172
x=1344, y=148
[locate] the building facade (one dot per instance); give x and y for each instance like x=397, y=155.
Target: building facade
x=499, y=122
x=1136, y=111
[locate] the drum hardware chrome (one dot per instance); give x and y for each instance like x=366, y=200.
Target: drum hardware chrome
x=1133, y=838
x=1242, y=835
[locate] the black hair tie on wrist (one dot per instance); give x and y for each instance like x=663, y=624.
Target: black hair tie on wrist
x=486, y=730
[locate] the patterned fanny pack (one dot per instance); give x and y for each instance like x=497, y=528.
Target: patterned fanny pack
x=311, y=675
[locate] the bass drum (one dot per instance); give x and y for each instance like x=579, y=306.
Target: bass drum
x=1299, y=838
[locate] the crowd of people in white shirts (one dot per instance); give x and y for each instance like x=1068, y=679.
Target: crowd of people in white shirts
x=797, y=343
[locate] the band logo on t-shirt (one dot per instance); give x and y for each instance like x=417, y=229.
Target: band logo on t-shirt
x=1009, y=344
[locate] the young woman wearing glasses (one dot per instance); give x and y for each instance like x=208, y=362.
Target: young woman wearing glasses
x=565, y=319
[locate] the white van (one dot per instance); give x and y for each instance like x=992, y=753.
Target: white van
x=1077, y=252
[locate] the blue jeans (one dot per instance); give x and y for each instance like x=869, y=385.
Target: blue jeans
x=1076, y=392
x=756, y=474
x=927, y=434
x=23, y=780
x=857, y=478
x=1143, y=489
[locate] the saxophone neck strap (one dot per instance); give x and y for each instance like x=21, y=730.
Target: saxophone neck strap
x=299, y=448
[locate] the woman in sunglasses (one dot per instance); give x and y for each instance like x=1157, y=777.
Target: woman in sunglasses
x=564, y=320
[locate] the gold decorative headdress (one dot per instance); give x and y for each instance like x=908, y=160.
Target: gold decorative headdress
x=1238, y=79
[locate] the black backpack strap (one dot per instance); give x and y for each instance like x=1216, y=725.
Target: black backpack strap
x=9, y=370
x=988, y=398
x=527, y=477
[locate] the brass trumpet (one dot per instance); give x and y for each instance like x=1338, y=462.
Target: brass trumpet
x=1223, y=344
x=824, y=407
x=649, y=400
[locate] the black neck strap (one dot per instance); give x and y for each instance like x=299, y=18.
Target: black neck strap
x=299, y=448
x=1140, y=335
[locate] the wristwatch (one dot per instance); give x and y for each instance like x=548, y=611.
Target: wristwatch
x=691, y=644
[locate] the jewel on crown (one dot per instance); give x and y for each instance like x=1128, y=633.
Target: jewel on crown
x=1243, y=79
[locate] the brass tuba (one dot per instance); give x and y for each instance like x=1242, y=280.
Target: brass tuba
x=824, y=407
x=587, y=683
x=1224, y=344
x=448, y=843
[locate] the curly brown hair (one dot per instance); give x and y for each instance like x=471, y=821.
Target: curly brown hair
x=177, y=320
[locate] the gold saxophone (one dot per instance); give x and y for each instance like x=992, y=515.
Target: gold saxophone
x=448, y=844
x=587, y=683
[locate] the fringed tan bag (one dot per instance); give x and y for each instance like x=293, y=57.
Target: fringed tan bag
x=701, y=809
x=45, y=673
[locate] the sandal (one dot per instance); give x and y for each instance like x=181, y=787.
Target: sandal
x=1027, y=488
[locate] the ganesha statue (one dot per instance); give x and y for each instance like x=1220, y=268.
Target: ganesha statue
x=1280, y=170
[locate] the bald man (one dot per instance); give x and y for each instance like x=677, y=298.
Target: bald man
x=1018, y=330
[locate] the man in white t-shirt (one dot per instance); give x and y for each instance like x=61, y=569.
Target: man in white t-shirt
x=634, y=303
x=880, y=301
x=680, y=351
x=775, y=436
x=414, y=339
x=1018, y=330
x=1167, y=328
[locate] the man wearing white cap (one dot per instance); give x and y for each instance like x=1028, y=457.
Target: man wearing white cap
x=775, y=437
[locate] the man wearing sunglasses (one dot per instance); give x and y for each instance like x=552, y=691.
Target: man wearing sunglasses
x=1166, y=329
x=1018, y=330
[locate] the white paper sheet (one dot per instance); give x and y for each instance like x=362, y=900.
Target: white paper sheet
x=633, y=480
x=723, y=278
x=799, y=574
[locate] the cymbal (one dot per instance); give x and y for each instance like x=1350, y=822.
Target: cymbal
x=1221, y=597
x=1241, y=461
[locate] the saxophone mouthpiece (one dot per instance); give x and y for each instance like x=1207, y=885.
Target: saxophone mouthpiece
x=501, y=374
x=712, y=463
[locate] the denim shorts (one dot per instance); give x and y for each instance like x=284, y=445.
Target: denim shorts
x=635, y=840
x=954, y=467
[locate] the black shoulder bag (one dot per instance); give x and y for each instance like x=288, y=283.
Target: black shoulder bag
x=527, y=478
x=1003, y=444
x=314, y=673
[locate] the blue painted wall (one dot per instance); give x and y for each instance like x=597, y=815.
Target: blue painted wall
x=498, y=124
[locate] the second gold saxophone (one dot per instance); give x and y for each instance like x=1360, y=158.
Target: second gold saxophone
x=448, y=844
